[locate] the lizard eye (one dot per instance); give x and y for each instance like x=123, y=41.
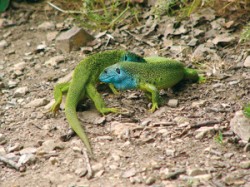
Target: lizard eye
x=125, y=58
x=118, y=70
x=105, y=71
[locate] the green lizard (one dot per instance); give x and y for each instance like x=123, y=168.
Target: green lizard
x=83, y=84
x=158, y=73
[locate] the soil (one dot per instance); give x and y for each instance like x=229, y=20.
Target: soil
x=188, y=144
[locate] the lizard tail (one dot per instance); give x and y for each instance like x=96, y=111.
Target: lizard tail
x=72, y=119
x=191, y=74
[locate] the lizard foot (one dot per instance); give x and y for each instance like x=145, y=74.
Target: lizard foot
x=109, y=110
x=154, y=107
x=55, y=108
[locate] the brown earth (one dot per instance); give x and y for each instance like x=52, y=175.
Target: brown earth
x=174, y=146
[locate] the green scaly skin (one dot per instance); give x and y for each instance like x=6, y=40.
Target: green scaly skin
x=83, y=84
x=157, y=73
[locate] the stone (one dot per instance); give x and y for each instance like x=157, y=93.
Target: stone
x=204, y=177
x=203, y=131
x=2, y=139
x=150, y=180
x=129, y=173
x=92, y=117
x=26, y=159
x=13, y=148
x=245, y=164
x=247, y=62
x=51, y=36
x=47, y=25
x=247, y=147
x=196, y=171
x=48, y=146
x=2, y=151
x=28, y=150
x=54, y=61
x=73, y=39
x=173, y=103
x=120, y=129
x=3, y=44
x=97, y=167
x=240, y=125
x=20, y=92
x=223, y=39
x=193, y=42
x=41, y=47
x=37, y=103
x=12, y=84
x=170, y=152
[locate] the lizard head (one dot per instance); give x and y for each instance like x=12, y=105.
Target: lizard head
x=118, y=76
x=132, y=57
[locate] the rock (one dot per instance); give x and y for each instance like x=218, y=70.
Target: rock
x=245, y=164
x=19, y=66
x=15, y=147
x=73, y=39
x=37, y=103
x=173, y=103
x=26, y=159
x=48, y=146
x=51, y=36
x=150, y=180
x=97, y=167
x=170, y=152
x=54, y=61
x=204, y=177
x=47, y=25
x=20, y=92
x=3, y=44
x=246, y=148
x=240, y=125
x=66, y=78
x=203, y=131
x=129, y=173
x=2, y=139
x=121, y=129
x=92, y=117
x=28, y=150
x=196, y=171
x=223, y=39
x=12, y=84
x=235, y=177
x=247, y=62
x=2, y=151
x=193, y=42
x=99, y=173
x=81, y=172
x=41, y=47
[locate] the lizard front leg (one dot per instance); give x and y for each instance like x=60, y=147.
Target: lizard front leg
x=98, y=100
x=154, y=92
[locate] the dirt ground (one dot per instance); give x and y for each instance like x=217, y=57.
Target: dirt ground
x=180, y=144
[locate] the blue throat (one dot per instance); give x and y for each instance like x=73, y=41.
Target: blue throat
x=126, y=84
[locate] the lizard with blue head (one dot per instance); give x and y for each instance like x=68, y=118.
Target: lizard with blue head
x=157, y=73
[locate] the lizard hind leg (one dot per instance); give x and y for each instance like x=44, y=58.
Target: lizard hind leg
x=59, y=90
x=154, y=95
